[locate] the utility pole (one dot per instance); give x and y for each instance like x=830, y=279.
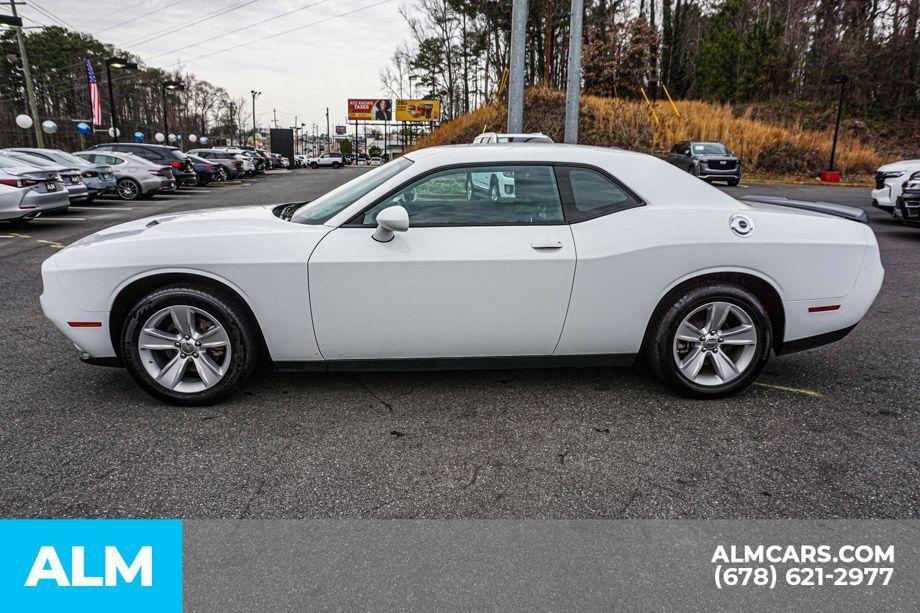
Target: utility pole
x=328, y=142
x=295, y=133
x=275, y=117
x=548, y=42
x=255, y=95
x=27, y=73
x=516, y=82
x=573, y=88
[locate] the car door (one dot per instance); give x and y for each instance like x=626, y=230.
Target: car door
x=470, y=278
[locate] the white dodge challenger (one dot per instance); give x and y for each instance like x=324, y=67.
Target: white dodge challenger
x=599, y=256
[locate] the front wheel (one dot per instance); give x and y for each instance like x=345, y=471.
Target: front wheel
x=711, y=342
x=314, y=165
x=335, y=164
x=733, y=182
x=189, y=345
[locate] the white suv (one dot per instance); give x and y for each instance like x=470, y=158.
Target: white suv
x=334, y=160
x=496, y=138
x=889, y=181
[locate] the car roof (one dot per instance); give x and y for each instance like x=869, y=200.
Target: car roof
x=148, y=145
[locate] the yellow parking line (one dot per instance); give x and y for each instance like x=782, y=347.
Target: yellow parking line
x=53, y=244
x=794, y=390
x=17, y=235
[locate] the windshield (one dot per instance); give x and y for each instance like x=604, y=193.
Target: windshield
x=326, y=206
x=710, y=148
x=32, y=160
x=6, y=162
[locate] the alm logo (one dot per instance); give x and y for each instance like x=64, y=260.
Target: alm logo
x=48, y=567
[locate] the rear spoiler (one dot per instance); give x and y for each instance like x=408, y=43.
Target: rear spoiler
x=829, y=208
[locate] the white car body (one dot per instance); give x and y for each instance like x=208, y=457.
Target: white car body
x=326, y=160
x=328, y=295
x=502, y=138
x=889, y=182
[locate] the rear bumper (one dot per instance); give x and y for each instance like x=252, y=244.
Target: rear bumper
x=34, y=203
x=833, y=318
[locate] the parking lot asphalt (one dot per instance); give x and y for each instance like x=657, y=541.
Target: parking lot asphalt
x=827, y=433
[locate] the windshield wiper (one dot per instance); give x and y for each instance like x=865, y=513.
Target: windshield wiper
x=288, y=212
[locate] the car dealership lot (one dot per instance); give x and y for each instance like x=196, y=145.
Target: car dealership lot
x=830, y=432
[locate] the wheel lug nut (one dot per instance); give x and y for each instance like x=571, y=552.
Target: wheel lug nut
x=702, y=338
x=198, y=343
x=705, y=350
x=721, y=339
x=187, y=337
x=177, y=343
x=195, y=354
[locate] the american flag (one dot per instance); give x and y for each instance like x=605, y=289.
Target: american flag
x=94, y=95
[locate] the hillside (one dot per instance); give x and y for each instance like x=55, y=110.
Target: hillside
x=766, y=148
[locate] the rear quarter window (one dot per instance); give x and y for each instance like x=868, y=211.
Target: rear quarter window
x=593, y=194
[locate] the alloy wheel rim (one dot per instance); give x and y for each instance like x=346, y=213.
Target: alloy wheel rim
x=493, y=193
x=184, y=349
x=715, y=344
x=128, y=190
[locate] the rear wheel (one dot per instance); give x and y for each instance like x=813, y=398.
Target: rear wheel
x=314, y=165
x=189, y=345
x=129, y=189
x=711, y=342
x=335, y=164
x=222, y=174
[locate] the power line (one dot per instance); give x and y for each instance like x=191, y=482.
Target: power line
x=141, y=16
x=233, y=31
x=264, y=38
x=51, y=15
x=172, y=29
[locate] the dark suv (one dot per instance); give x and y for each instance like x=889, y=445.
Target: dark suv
x=708, y=161
x=182, y=166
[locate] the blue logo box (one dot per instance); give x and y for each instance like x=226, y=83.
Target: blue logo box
x=93, y=565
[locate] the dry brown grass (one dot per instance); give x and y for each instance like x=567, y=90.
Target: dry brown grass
x=615, y=122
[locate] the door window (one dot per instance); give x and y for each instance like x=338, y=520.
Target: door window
x=485, y=195
x=594, y=195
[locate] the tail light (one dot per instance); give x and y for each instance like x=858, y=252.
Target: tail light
x=18, y=182
x=158, y=173
x=175, y=164
x=209, y=166
x=90, y=173
x=237, y=164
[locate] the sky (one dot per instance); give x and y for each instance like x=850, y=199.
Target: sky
x=299, y=73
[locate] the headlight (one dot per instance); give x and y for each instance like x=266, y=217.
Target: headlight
x=892, y=174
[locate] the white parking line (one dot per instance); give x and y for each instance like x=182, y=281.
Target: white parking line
x=101, y=208
x=6, y=236
x=202, y=191
x=59, y=219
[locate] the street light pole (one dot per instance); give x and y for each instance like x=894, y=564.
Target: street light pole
x=516, y=68
x=27, y=73
x=255, y=95
x=573, y=88
x=842, y=81
x=115, y=62
x=168, y=85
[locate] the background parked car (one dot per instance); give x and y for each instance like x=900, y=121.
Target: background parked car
x=73, y=180
x=908, y=209
x=889, y=182
x=333, y=160
x=97, y=177
x=497, y=138
x=158, y=154
x=206, y=170
x=230, y=164
x=710, y=161
x=28, y=191
x=135, y=176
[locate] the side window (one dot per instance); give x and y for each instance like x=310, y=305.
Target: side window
x=486, y=195
x=111, y=159
x=105, y=148
x=593, y=194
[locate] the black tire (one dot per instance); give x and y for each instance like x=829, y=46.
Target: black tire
x=129, y=189
x=733, y=182
x=314, y=165
x=335, y=164
x=659, y=351
x=494, y=194
x=222, y=174
x=244, y=340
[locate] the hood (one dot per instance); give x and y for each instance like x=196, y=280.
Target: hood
x=209, y=223
x=714, y=156
x=901, y=165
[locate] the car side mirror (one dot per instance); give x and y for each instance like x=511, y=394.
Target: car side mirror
x=389, y=220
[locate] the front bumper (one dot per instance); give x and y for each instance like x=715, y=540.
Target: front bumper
x=886, y=197
x=91, y=341
x=908, y=209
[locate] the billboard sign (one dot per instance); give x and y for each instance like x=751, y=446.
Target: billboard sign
x=370, y=109
x=340, y=129
x=418, y=110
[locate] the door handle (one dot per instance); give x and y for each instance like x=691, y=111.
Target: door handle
x=546, y=243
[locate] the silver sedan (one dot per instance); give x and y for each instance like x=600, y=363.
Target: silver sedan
x=135, y=176
x=28, y=191
x=72, y=177
x=97, y=177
